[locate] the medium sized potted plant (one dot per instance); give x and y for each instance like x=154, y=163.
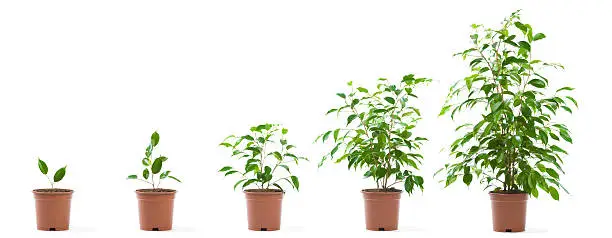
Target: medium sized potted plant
x=52, y=204
x=155, y=204
x=514, y=146
x=267, y=156
x=378, y=138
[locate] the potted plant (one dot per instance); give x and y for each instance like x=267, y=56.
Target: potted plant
x=155, y=204
x=513, y=147
x=378, y=137
x=52, y=204
x=266, y=154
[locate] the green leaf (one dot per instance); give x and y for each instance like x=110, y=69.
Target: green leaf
x=157, y=165
x=226, y=168
x=390, y=100
x=42, y=166
x=284, y=131
x=145, y=173
x=172, y=177
x=565, y=89
x=164, y=175
x=539, y=36
x=296, y=182
x=444, y=110
x=363, y=90
x=552, y=173
x=155, y=138
x=349, y=119
x=565, y=136
x=238, y=183
x=146, y=162
x=342, y=95
x=467, y=179
x=418, y=180
x=133, y=176
x=553, y=193
x=538, y=83
x=250, y=181
x=59, y=175
x=450, y=180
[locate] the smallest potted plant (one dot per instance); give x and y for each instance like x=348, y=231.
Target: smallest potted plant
x=155, y=204
x=267, y=154
x=52, y=204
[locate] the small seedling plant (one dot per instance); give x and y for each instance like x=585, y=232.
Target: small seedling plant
x=152, y=167
x=515, y=144
x=378, y=136
x=58, y=176
x=266, y=154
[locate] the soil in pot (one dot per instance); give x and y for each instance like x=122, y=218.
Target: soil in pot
x=52, y=209
x=381, y=209
x=509, y=211
x=264, y=209
x=156, y=207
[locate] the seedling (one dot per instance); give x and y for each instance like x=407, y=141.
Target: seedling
x=58, y=176
x=151, y=169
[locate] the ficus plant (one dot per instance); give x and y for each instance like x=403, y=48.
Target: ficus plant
x=514, y=146
x=152, y=167
x=58, y=176
x=378, y=136
x=266, y=155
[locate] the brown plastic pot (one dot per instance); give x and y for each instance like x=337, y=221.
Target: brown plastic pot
x=156, y=207
x=264, y=209
x=509, y=211
x=52, y=209
x=381, y=209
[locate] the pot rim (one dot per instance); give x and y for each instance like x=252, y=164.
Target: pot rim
x=143, y=191
x=379, y=192
x=508, y=193
x=271, y=192
x=37, y=191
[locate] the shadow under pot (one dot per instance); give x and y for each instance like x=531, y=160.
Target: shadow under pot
x=155, y=207
x=264, y=209
x=509, y=211
x=52, y=209
x=381, y=209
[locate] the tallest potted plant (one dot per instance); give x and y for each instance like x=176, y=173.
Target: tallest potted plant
x=514, y=146
x=378, y=138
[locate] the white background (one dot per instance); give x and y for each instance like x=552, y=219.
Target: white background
x=85, y=83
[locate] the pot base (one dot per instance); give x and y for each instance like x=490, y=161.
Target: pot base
x=65, y=228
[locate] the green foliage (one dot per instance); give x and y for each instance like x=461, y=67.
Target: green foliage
x=514, y=146
x=152, y=166
x=58, y=176
x=378, y=134
x=262, y=160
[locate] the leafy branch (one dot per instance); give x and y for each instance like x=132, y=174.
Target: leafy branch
x=378, y=133
x=155, y=167
x=262, y=160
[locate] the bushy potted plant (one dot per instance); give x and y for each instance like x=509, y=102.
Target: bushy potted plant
x=52, y=204
x=513, y=147
x=378, y=138
x=155, y=204
x=266, y=155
